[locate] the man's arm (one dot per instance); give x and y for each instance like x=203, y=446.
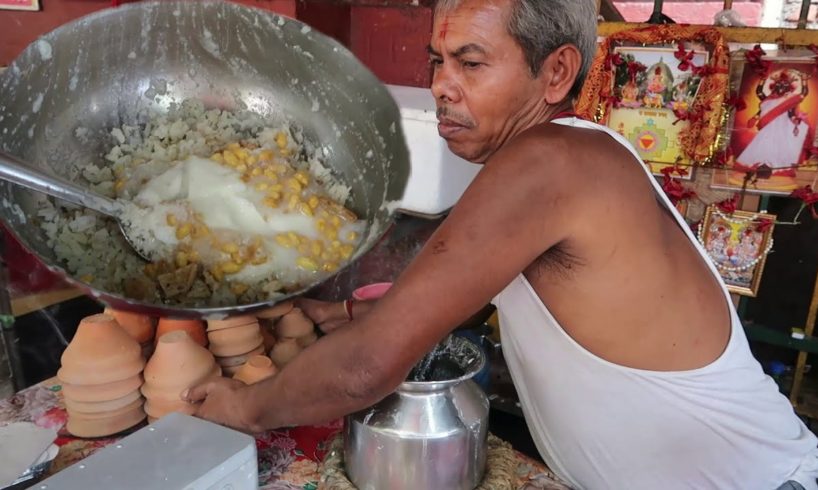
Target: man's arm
x=519, y=206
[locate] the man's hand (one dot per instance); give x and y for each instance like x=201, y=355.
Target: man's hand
x=327, y=315
x=222, y=403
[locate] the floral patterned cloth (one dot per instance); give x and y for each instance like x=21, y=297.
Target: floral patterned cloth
x=287, y=459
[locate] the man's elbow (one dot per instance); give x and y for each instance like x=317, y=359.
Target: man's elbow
x=371, y=377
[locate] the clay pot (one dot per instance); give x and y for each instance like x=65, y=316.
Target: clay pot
x=307, y=340
x=293, y=325
x=101, y=407
x=159, y=408
x=178, y=362
x=235, y=340
x=194, y=328
x=103, y=392
x=238, y=361
x=284, y=351
x=81, y=426
x=235, y=321
x=174, y=393
x=256, y=369
x=140, y=327
x=276, y=311
x=100, y=352
x=147, y=349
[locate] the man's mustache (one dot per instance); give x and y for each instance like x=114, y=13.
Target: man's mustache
x=455, y=117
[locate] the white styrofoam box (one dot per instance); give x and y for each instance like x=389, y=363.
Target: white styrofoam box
x=177, y=452
x=438, y=176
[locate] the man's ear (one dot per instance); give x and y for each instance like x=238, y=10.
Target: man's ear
x=559, y=72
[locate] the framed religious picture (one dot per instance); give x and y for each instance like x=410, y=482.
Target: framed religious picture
x=651, y=90
x=772, y=129
x=663, y=88
x=19, y=4
x=738, y=244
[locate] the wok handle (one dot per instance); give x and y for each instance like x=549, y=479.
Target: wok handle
x=16, y=171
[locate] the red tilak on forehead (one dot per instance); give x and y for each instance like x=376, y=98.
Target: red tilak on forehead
x=443, y=29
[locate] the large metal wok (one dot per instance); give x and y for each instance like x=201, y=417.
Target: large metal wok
x=102, y=71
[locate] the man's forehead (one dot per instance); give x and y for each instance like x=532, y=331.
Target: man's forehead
x=474, y=27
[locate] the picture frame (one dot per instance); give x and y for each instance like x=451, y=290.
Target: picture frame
x=29, y=5
x=774, y=126
x=648, y=101
x=738, y=244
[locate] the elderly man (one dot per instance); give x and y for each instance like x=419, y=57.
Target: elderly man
x=630, y=361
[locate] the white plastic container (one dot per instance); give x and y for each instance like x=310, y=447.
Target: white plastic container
x=438, y=176
x=177, y=452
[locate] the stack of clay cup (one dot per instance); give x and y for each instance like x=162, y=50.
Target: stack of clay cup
x=177, y=364
x=140, y=327
x=256, y=369
x=194, y=328
x=234, y=341
x=101, y=373
x=293, y=332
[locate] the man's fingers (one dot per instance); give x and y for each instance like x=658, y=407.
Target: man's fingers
x=197, y=393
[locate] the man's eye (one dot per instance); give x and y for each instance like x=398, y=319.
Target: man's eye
x=436, y=61
x=471, y=64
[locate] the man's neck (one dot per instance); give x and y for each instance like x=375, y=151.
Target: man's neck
x=555, y=110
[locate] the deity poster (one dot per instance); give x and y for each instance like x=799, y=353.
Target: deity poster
x=651, y=89
x=19, y=4
x=773, y=129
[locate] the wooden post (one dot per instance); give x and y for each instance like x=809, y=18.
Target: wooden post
x=812, y=314
x=802, y=19
x=728, y=4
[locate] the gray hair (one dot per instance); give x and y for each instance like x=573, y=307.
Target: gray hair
x=542, y=26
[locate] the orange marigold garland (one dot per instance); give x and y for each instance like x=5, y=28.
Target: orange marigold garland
x=702, y=136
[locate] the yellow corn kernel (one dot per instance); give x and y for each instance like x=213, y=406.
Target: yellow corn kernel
x=274, y=194
x=352, y=236
x=119, y=185
x=292, y=203
x=245, y=178
x=331, y=233
x=304, y=249
x=306, y=263
x=305, y=209
x=320, y=225
x=285, y=152
x=87, y=278
x=237, y=258
x=336, y=244
x=276, y=188
x=233, y=146
x=294, y=184
x=217, y=157
x=266, y=155
x=270, y=202
x=217, y=274
x=238, y=288
x=252, y=160
x=279, y=169
x=262, y=186
x=302, y=177
x=200, y=230
x=336, y=221
x=313, y=201
x=317, y=247
x=230, y=248
x=171, y=220
x=182, y=259
x=230, y=267
x=259, y=260
x=281, y=140
x=231, y=160
x=270, y=173
x=346, y=251
x=293, y=237
x=284, y=240
x=183, y=231
x=256, y=172
x=330, y=266
x=241, y=168
x=193, y=256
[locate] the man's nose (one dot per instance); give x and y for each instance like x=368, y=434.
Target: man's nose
x=444, y=86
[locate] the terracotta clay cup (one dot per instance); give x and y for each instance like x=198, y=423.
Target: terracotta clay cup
x=102, y=406
x=267, y=334
x=276, y=311
x=234, y=321
x=158, y=408
x=284, y=351
x=174, y=393
x=256, y=369
x=100, y=425
x=194, y=328
x=101, y=393
x=236, y=340
x=293, y=325
x=239, y=360
x=140, y=327
x=177, y=363
x=101, y=352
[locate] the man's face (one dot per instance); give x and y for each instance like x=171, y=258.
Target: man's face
x=482, y=84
